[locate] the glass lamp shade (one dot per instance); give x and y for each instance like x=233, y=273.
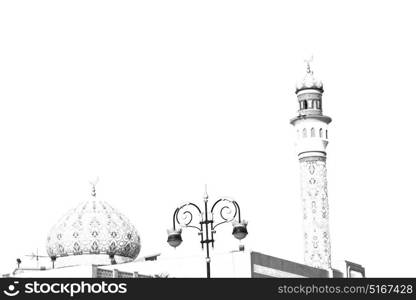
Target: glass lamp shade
x=240, y=231
x=174, y=239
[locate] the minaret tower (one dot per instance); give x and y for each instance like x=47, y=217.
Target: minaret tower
x=311, y=141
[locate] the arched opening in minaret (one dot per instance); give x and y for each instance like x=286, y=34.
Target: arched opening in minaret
x=303, y=104
x=312, y=132
x=318, y=104
x=304, y=134
x=326, y=134
x=320, y=132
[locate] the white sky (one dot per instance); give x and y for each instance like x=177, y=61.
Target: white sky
x=160, y=97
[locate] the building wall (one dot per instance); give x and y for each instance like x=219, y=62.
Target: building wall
x=265, y=266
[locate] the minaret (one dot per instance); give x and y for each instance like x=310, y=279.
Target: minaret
x=311, y=141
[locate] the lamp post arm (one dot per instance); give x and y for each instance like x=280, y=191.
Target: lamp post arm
x=174, y=218
x=185, y=211
x=227, y=212
x=238, y=211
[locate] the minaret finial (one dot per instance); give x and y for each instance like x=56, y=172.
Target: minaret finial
x=308, y=64
x=93, y=184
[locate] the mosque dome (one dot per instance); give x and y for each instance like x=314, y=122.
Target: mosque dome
x=94, y=227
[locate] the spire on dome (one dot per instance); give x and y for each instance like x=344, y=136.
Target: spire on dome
x=308, y=64
x=93, y=185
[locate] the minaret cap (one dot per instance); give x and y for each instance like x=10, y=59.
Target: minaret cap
x=309, y=82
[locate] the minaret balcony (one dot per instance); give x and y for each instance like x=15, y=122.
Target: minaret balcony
x=319, y=117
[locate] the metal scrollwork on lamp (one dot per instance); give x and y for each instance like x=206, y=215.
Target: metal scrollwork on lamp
x=205, y=221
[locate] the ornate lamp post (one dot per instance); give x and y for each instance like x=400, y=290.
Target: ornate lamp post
x=221, y=212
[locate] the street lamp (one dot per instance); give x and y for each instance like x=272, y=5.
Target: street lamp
x=222, y=211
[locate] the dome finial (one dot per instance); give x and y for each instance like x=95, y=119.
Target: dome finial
x=308, y=64
x=93, y=184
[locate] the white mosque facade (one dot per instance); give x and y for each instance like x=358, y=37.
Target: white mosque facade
x=95, y=240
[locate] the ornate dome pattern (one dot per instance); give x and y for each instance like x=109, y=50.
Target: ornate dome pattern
x=93, y=227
